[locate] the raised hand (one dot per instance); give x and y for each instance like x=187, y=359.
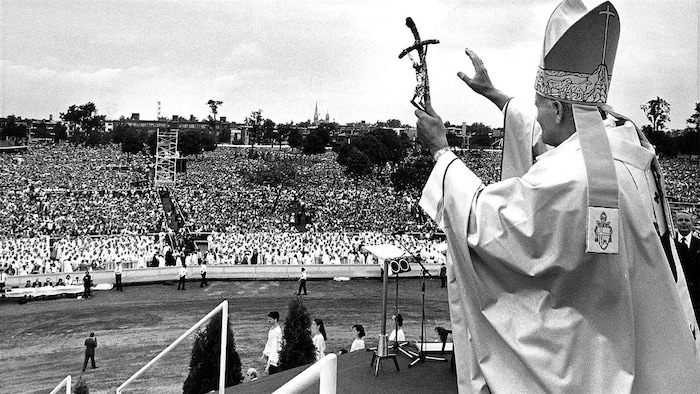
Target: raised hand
x=481, y=83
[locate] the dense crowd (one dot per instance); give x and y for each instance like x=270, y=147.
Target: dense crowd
x=67, y=190
x=99, y=207
x=217, y=194
x=682, y=179
x=313, y=248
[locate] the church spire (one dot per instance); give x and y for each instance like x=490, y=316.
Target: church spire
x=316, y=114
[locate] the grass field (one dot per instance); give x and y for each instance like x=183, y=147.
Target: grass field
x=42, y=341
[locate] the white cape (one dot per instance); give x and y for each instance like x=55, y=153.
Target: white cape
x=530, y=310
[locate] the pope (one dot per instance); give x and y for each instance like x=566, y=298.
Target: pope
x=562, y=276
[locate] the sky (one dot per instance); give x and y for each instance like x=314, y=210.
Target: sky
x=283, y=57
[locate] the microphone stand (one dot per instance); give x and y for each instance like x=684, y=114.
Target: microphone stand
x=420, y=357
x=399, y=346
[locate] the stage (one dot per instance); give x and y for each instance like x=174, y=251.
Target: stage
x=355, y=375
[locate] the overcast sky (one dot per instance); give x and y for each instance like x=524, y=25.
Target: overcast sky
x=284, y=56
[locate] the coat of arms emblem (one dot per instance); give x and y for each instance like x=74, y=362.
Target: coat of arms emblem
x=603, y=231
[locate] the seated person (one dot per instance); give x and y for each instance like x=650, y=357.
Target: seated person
x=48, y=283
x=359, y=343
x=37, y=283
x=68, y=280
x=28, y=284
x=60, y=282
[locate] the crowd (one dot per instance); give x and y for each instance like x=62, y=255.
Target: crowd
x=682, y=179
x=98, y=207
x=68, y=190
x=312, y=247
x=23, y=256
x=217, y=195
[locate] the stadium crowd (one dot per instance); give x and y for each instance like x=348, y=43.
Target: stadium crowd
x=312, y=248
x=216, y=195
x=67, y=207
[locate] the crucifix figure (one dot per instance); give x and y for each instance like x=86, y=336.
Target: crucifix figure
x=422, y=92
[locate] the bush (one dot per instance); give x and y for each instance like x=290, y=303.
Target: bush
x=204, y=364
x=298, y=348
x=81, y=387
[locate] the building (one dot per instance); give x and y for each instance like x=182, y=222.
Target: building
x=175, y=122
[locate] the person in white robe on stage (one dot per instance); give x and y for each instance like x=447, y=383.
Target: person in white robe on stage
x=561, y=277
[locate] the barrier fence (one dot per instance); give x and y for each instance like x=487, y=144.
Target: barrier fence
x=325, y=371
x=66, y=382
x=222, y=361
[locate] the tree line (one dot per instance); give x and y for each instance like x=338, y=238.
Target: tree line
x=671, y=142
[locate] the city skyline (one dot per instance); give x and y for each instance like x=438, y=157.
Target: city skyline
x=284, y=57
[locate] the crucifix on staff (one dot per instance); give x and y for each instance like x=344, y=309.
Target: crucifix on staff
x=422, y=92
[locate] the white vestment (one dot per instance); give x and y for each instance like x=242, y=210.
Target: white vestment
x=531, y=311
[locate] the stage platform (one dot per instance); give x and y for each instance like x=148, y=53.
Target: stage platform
x=355, y=375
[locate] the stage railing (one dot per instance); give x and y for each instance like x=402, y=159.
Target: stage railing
x=222, y=362
x=325, y=371
x=66, y=382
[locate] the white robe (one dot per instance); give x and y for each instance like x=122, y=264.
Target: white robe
x=530, y=310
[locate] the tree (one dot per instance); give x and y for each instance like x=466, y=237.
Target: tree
x=83, y=120
x=357, y=163
x=393, y=123
x=283, y=131
x=454, y=140
x=60, y=132
x=412, y=174
x=188, y=143
x=94, y=138
x=254, y=121
x=268, y=131
x=373, y=148
x=214, y=106
x=391, y=142
x=314, y=143
x=81, y=387
x=225, y=135
x=298, y=348
x=208, y=142
x=406, y=143
x=662, y=142
x=690, y=140
x=131, y=143
x=658, y=111
x=295, y=138
x=203, y=376
x=694, y=120
x=119, y=132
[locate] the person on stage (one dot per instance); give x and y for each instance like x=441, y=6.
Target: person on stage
x=271, y=354
x=318, y=333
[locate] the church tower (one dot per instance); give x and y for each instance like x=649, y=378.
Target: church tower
x=316, y=114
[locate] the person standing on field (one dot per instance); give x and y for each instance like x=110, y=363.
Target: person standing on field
x=90, y=345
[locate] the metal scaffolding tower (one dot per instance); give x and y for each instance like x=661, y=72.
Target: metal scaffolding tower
x=166, y=157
